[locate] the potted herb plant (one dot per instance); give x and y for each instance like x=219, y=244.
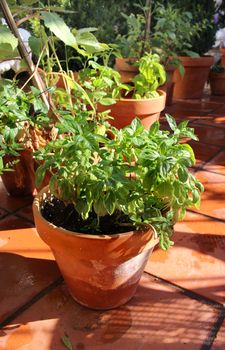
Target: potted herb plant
x=201, y=33
x=110, y=201
x=24, y=127
x=141, y=98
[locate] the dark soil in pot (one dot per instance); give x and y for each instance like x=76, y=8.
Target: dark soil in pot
x=65, y=216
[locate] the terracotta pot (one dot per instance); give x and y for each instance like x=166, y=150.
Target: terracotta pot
x=217, y=83
x=191, y=85
x=126, y=68
x=101, y=271
x=222, y=52
x=21, y=180
x=126, y=109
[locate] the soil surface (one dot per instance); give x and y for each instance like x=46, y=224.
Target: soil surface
x=59, y=214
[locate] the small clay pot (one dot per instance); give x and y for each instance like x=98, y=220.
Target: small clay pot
x=222, y=52
x=217, y=83
x=126, y=109
x=191, y=85
x=101, y=271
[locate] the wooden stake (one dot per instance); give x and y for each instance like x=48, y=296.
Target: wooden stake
x=37, y=81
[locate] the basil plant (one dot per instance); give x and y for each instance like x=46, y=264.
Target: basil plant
x=131, y=177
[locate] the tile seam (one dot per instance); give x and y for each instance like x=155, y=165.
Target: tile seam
x=208, y=343
x=188, y=293
x=30, y=302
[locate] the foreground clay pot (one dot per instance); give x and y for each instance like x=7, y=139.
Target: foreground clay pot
x=101, y=271
x=217, y=83
x=191, y=85
x=126, y=68
x=126, y=109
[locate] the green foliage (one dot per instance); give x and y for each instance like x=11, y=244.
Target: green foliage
x=100, y=14
x=20, y=113
x=218, y=69
x=203, y=19
x=151, y=75
x=103, y=84
x=131, y=43
x=141, y=174
x=173, y=32
x=8, y=44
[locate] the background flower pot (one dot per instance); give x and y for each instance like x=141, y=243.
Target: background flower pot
x=191, y=85
x=101, y=271
x=217, y=83
x=222, y=57
x=126, y=109
x=126, y=68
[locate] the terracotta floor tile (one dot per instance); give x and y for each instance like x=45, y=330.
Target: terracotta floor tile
x=202, y=105
x=12, y=222
x=219, y=342
x=217, y=164
x=213, y=198
x=209, y=135
x=158, y=317
x=203, y=152
x=220, y=110
x=26, y=268
x=197, y=260
x=212, y=120
x=201, y=224
x=26, y=213
x=11, y=203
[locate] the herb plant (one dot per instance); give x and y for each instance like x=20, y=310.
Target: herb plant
x=136, y=178
x=22, y=119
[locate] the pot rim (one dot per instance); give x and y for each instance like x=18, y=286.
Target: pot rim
x=161, y=97
x=45, y=192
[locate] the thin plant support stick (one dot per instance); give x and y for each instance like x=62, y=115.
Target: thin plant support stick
x=37, y=81
x=148, y=16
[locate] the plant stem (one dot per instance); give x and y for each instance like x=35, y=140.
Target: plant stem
x=148, y=15
x=37, y=81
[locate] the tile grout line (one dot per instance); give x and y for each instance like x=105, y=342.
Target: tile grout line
x=208, y=343
x=187, y=292
x=207, y=216
x=30, y=302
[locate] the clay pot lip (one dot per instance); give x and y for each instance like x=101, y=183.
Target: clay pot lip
x=206, y=60
x=141, y=100
x=36, y=210
x=217, y=75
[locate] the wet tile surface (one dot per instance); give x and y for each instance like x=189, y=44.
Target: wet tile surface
x=213, y=198
x=217, y=163
x=26, y=268
x=158, y=317
x=196, y=262
x=180, y=309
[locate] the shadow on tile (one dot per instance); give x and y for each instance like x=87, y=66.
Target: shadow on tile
x=157, y=316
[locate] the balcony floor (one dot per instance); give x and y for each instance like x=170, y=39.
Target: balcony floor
x=180, y=301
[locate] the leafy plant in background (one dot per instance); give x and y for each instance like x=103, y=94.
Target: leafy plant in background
x=150, y=77
x=23, y=119
x=202, y=18
x=172, y=32
x=137, y=178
